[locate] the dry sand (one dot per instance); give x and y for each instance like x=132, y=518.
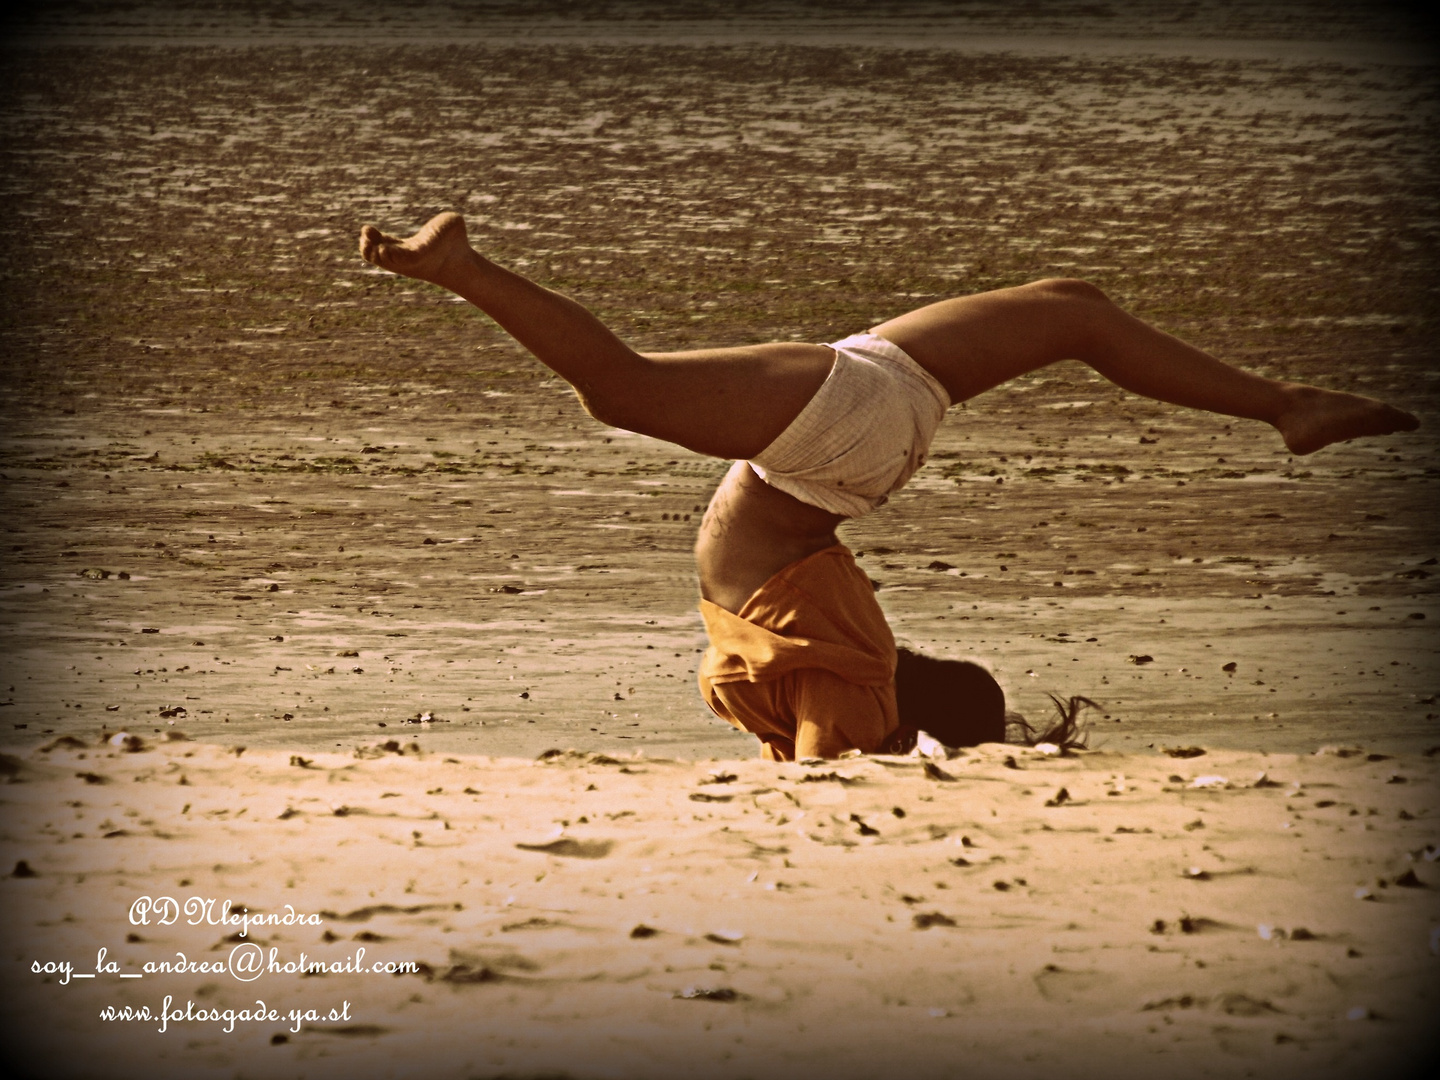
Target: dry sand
x=1002, y=914
x=259, y=493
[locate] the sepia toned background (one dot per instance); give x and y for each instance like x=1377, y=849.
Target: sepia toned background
x=260, y=495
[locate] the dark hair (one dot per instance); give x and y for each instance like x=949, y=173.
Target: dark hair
x=955, y=701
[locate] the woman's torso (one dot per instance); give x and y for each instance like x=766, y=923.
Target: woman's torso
x=751, y=532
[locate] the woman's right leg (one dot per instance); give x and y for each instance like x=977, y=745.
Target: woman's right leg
x=728, y=403
x=975, y=343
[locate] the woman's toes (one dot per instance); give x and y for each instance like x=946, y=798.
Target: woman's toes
x=424, y=255
x=370, y=240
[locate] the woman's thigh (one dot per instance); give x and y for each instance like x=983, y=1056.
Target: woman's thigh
x=729, y=403
x=975, y=343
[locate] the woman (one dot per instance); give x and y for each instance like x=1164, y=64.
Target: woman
x=800, y=652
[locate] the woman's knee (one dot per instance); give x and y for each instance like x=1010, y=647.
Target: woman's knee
x=616, y=400
x=607, y=407
x=1080, y=312
x=1073, y=290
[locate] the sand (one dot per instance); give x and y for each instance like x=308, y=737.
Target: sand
x=1005, y=913
x=261, y=494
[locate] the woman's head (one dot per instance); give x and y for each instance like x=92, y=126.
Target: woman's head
x=956, y=701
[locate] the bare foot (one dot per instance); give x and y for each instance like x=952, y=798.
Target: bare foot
x=433, y=254
x=1316, y=418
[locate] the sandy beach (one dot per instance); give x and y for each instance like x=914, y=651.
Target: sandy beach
x=260, y=495
x=1005, y=913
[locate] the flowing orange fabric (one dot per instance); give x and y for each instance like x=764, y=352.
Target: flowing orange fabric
x=808, y=664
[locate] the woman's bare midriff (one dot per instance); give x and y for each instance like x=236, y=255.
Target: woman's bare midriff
x=751, y=532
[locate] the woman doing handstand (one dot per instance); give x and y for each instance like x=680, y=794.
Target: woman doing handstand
x=800, y=652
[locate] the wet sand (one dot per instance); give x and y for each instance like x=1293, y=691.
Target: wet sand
x=261, y=494
x=207, y=391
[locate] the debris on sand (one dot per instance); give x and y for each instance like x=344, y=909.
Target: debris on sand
x=64, y=742
x=924, y=920
x=569, y=848
x=934, y=772
x=1210, y=783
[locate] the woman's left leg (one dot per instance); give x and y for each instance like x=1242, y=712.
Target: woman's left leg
x=729, y=403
